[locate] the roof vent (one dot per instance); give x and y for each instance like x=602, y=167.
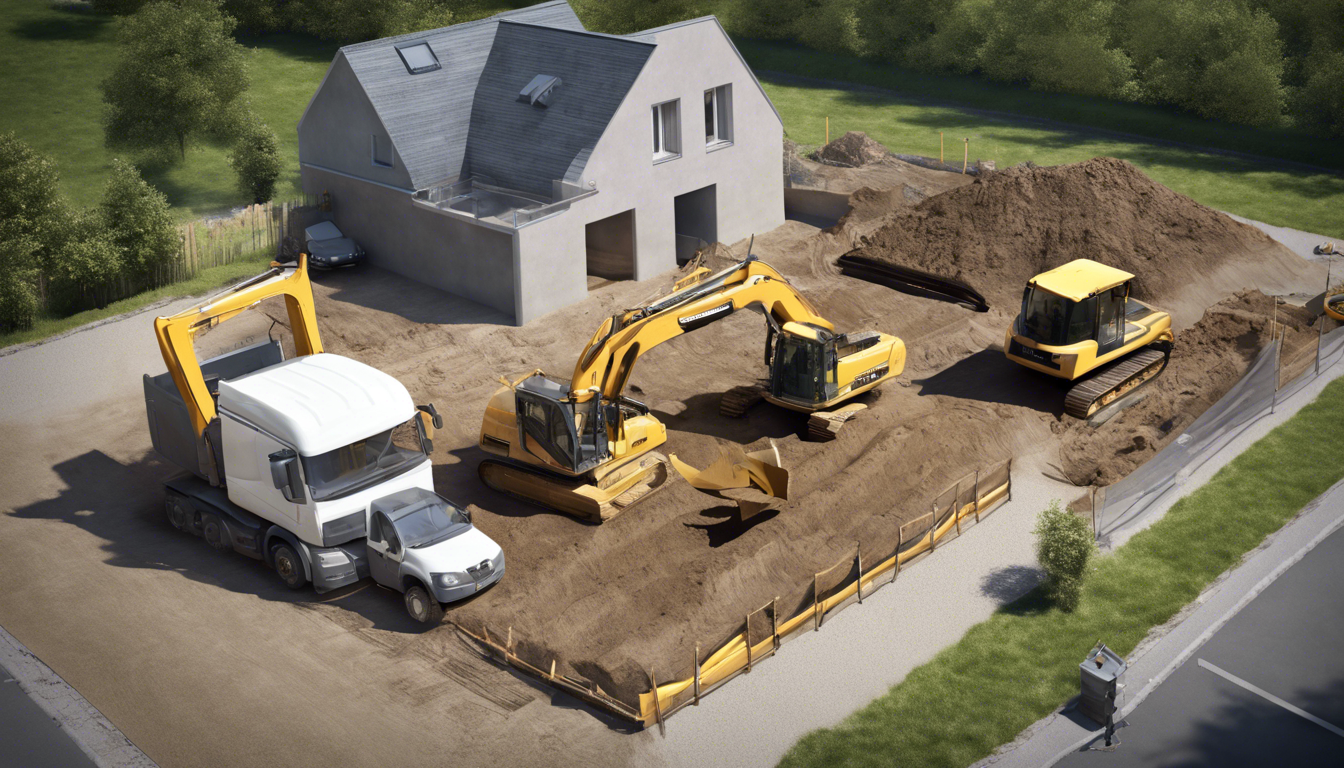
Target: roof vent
x=418, y=57
x=538, y=91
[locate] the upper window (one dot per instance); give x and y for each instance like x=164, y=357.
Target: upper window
x=418, y=58
x=719, y=115
x=666, y=129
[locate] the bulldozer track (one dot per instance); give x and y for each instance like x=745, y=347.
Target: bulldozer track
x=913, y=281
x=573, y=496
x=737, y=401
x=1115, y=380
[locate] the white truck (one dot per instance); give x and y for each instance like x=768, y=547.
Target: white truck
x=318, y=465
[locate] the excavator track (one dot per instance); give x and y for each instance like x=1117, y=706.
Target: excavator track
x=737, y=401
x=595, y=502
x=1114, y=381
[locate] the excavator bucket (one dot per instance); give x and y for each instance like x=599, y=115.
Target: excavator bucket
x=755, y=481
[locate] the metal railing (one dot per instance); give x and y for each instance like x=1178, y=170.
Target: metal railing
x=477, y=198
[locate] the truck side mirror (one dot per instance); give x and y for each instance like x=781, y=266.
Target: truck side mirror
x=433, y=414
x=285, y=473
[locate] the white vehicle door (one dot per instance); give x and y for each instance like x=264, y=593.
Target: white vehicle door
x=384, y=552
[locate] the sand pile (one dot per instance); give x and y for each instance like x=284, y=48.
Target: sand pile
x=1006, y=227
x=1209, y=357
x=853, y=150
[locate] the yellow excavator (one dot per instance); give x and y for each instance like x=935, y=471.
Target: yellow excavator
x=1078, y=322
x=583, y=448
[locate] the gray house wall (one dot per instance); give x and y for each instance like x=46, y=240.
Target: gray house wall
x=689, y=59
x=335, y=130
x=437, y=249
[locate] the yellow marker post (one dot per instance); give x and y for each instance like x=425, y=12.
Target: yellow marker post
x=828, y=130
x=966, y=158
x=940, y=146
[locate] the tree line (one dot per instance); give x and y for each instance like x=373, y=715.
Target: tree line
x=1256, y=62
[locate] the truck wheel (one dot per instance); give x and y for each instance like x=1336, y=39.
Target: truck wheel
x=288, y=566
x=213, y=531
x=422, y=606
x=178, y=509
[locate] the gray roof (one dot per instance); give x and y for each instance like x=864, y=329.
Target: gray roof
x=427, y=116
x=526, y=147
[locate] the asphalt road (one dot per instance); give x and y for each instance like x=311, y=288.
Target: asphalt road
x=29, y=737
x=1285, y=643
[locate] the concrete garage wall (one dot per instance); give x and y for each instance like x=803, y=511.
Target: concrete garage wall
x=474, y=262
x=551, y=264
x=335, y=131
x=749, y=185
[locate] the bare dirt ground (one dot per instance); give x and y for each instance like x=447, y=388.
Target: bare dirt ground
x=611, y=602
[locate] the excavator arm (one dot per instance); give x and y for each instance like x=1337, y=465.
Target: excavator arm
x=176, y=334
x=609, y=358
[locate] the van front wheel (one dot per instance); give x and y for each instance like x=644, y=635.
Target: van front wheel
x=422, y=606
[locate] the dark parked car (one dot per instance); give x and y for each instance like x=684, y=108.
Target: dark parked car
x=327, y=247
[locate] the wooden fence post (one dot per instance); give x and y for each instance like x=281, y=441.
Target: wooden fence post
x=900, y=541
x=966, y=158
x=858, y=558
x=933, y=528
x=657, y=705
x=697, y=674
x=977, y=495
x=816, y=603
x=774, y=623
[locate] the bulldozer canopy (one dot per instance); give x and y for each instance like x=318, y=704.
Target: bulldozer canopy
x=1080, y=279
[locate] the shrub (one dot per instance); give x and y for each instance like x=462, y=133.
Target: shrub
x=138, y=223
x=621, y=17
x=87, y=260
x=30, y=228
x=256, y=160
x=1064, y=546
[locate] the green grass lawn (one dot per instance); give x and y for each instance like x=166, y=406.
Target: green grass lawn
x=1018, y=666
x=206, y=280
x=1311, y=202
x=51, y=62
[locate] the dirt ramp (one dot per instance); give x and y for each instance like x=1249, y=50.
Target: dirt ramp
x=1208, y=359
x=1007, y=226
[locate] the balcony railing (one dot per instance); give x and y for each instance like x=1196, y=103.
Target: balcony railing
x=475, y=197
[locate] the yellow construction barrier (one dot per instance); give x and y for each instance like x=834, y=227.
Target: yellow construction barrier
x=971, y=498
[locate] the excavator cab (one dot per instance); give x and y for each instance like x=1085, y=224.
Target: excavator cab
x=808, y=363
x=556, y=429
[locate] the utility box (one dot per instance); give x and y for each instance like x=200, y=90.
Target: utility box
x=1102, y=683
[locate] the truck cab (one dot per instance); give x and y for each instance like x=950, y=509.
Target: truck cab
x=326, y=475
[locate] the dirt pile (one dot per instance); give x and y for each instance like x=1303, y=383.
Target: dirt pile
x=1208, y=359
x=1004, y=228
x=853, y=150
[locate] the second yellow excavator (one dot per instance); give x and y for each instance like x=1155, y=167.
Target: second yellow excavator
x=583, y=448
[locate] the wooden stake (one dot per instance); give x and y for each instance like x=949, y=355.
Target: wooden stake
x=858, y=557
x=774, y=623
x=940, y=147
x=828, y=129
x=552, y=670
x=697, y=674
x=966, y=158
x=900, y=541
x=508, y=644
x=657, y=705
x=933, y=527
x=977, y=495
x=816, y=611
x=747, y=636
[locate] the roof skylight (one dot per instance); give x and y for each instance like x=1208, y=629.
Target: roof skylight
x=418, y=58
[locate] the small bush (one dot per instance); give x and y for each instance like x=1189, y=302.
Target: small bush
x=1064, y=546
x=256, y=160
x=137, y=220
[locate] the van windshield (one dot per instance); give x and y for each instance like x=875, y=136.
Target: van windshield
x=429, y=522
x=363, y=463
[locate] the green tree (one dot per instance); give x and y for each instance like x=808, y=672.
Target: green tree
x=1064, y=546
x=138, y=223
x=1319, y=103
x=1218, y=58
x=87, y=260
x=117, y=7
x=256, y=160
x=621, y=17
x=31, y=224
x=1056, y=45
x=179, y=75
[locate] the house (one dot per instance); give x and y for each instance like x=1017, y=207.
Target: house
x=516, y=159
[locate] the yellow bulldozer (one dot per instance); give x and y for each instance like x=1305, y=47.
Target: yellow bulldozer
x=581, y=447
x=1078, y=322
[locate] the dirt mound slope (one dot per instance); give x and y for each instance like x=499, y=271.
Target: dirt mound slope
x=1005, y=227
x=853, y=150
x=1208, y=358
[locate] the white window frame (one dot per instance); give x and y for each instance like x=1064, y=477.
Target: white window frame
x=666, y=130
x=719, y=116
x=373, y=153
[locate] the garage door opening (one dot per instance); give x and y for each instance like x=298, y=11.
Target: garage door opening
x=696, y=221
x=611, y=249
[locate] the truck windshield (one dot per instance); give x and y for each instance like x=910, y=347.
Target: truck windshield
x=429, y=522
x=362, y=463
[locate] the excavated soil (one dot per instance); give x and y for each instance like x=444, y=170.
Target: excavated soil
x=611, y=602
x=853, y=150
